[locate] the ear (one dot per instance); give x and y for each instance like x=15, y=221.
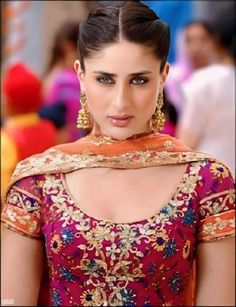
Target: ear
x=165, y=73
x=80, y=74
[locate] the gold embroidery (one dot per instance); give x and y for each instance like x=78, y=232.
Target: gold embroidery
x=219, y=225
x=216, y=195
x=55, y=161
x=168, y=144
x=210, y=228
x=110, y=266
x=219, y=170
x=186, y=249
x=103, y=140
x=217, y=202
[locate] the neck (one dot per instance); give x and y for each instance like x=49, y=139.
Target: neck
x=225, y=58
x=96, y=132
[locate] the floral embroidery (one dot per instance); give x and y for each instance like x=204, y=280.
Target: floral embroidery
x=160, y=239
x=94, y=268
x=103, y=140
x=91, y=298
x=126, y=297
x=55, y=160
x=217, y=226
x=170, y=248
x=216, y=202
x=66, y=274
x=56, y=299
x=152, y=268
x=56, y=244
x=112, y=251
x=219, y=170
x=176, y=283
x=168, y=144
x=67, y=236
x=108, y=264
x=22, y=210
x=189, y=217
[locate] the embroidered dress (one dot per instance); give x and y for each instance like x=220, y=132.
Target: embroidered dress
x=95, y=262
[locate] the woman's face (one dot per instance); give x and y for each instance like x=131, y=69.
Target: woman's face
x=122, y=83
x=200, y=46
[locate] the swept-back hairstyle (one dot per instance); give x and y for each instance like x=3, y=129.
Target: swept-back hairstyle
x=111, y=21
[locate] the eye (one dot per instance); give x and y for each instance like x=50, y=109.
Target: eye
x=104, y=80
x=139, y=80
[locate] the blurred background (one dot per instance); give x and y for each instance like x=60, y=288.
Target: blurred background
x=28, y=27
x=39, y=38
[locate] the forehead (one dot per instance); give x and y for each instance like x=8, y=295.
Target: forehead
x=123, y=56
x=196, y=30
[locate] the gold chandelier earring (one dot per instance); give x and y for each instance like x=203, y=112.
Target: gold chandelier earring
x=83, y=119
x=158, y=118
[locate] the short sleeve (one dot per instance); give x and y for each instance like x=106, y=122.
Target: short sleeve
x=21, y=210
x=217, y=203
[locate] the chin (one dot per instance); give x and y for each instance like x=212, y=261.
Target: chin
x=122, y=134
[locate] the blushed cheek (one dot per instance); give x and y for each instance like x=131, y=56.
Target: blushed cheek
x=93, y=94
x=97, y=104
x=147, y=102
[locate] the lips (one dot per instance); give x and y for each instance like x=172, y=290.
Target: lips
x=120, y=120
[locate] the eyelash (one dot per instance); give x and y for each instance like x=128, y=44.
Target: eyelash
x=107, y=80
x=103, y=78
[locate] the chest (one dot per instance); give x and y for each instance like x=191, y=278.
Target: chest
x=123, y=195
x=150, y=254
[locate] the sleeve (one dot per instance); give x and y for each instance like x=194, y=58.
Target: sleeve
x=197, y=107
x=21, y=210
x=217, y=203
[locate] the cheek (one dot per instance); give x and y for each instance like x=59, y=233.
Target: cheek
x=96, y=97
x=146, y=101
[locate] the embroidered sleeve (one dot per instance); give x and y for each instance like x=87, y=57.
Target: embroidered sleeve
x=217, y=203
x=21, y=211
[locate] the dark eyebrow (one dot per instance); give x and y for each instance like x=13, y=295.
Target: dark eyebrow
x=114, y=75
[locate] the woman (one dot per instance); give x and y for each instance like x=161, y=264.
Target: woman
x=124, y=213
x=216, y=85
x=61, y=85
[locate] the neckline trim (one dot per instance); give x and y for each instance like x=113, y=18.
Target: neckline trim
x=141, y=221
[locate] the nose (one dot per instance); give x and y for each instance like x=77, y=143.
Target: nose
x=121, y=98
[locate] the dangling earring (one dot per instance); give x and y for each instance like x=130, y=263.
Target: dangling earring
x=158, y=118
x=83, y=119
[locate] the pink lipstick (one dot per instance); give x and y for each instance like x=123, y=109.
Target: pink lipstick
x=120, y=120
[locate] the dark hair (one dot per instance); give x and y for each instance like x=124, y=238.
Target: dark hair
x=206, y=26
x=224, y=29
x=169, y=109
x=68, y=32
x=130, y=20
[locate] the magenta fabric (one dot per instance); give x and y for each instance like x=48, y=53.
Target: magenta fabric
x=99, y=263
x=169, y=129
x=66, y=88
